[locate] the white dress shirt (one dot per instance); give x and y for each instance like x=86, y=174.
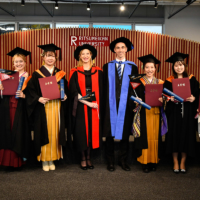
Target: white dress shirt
x=122, y=65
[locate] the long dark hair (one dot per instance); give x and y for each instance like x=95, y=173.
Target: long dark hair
x=185, y=73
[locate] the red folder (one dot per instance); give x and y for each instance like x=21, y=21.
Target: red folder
x=49, y=88
x=152, y=93
x=181, y=87
x=11, y=85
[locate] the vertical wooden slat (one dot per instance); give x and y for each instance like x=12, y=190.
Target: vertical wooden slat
x=161, y=46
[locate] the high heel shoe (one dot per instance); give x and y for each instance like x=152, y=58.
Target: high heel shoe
x=83, y=167
x=183, y=171
x=176, y=171
x=90, y=166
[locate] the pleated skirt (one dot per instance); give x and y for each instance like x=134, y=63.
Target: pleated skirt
x=150, y=155
x=52, y=151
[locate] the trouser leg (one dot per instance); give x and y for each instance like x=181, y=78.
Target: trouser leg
x=123, y=150
x=110, y=149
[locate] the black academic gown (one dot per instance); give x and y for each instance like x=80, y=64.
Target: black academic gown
x=36, y=111
x=18, y=139
x=141, y=142
x=77, y=115
x=181, y=135
x=106, y=110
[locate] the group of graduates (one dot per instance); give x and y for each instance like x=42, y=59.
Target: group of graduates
x=112, y=114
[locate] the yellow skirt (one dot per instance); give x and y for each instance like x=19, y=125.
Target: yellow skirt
x=52, y=151
x=150, y=155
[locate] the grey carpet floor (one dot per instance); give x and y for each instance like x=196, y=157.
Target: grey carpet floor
x=70, y=182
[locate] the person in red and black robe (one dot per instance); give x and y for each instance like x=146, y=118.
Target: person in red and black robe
x=85, y=115
x=15, y=134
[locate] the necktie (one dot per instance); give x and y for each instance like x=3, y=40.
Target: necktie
x=136, y=122
x=119, y=70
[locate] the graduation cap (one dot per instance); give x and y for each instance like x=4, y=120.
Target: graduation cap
x=8, y=72
x=136, y=77
x=177, y=57
x=85, y=46
x=51, y=47
x=89, y=97
x=124, y=40
x=149, y=59
x=19, y=50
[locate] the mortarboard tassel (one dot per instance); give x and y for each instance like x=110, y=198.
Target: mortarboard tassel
x=30, y=58
x=158, y=68
x=60, y=55
x=187, y=60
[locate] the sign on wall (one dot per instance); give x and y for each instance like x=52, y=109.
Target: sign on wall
x=97, y=41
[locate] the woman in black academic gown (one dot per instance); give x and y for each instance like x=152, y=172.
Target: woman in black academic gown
x=150, y=120
x=181, y=136
x=48, y=116
x=15, y=135
x=86, y=120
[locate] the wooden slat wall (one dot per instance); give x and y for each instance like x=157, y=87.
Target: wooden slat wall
x=162, y=46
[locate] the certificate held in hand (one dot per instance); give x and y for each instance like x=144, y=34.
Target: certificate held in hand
x=49, y=88
x=152, y=93
x=11, y=84
x=181, y=87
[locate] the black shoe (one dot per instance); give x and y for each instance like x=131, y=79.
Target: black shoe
x=152, y=167
x=176, y=171
x=183, y=171
x=146, y=169
x=90, y=166
x=83, y=167
x=124, y=166
x=111, y=167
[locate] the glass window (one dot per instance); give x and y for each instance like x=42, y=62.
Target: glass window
x=6, y=27
x=154, y=28
x=63, y=25
x=29, y=26
x=118, y=26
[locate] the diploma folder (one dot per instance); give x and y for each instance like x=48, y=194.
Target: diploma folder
x=181, y=87
x=10, y=85
x=49, y=88
x=152, y=93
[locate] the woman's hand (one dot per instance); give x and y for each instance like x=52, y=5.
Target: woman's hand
x=172, y=98
x=92, y=105
x=190, y=99
x=1, y=87
x=43, y=100
x=79, y=96
x=138, y=99
x=160, y=99
x=65, y=97
x=20, y=94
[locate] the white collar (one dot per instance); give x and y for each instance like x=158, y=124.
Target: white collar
x=50, y=70
x=121, y=60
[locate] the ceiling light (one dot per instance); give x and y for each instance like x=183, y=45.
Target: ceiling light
x=23, y=3
x=56, y=5
x=122, y=7
x=88, y=6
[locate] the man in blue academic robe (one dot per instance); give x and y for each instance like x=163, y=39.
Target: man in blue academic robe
x=118, y=116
